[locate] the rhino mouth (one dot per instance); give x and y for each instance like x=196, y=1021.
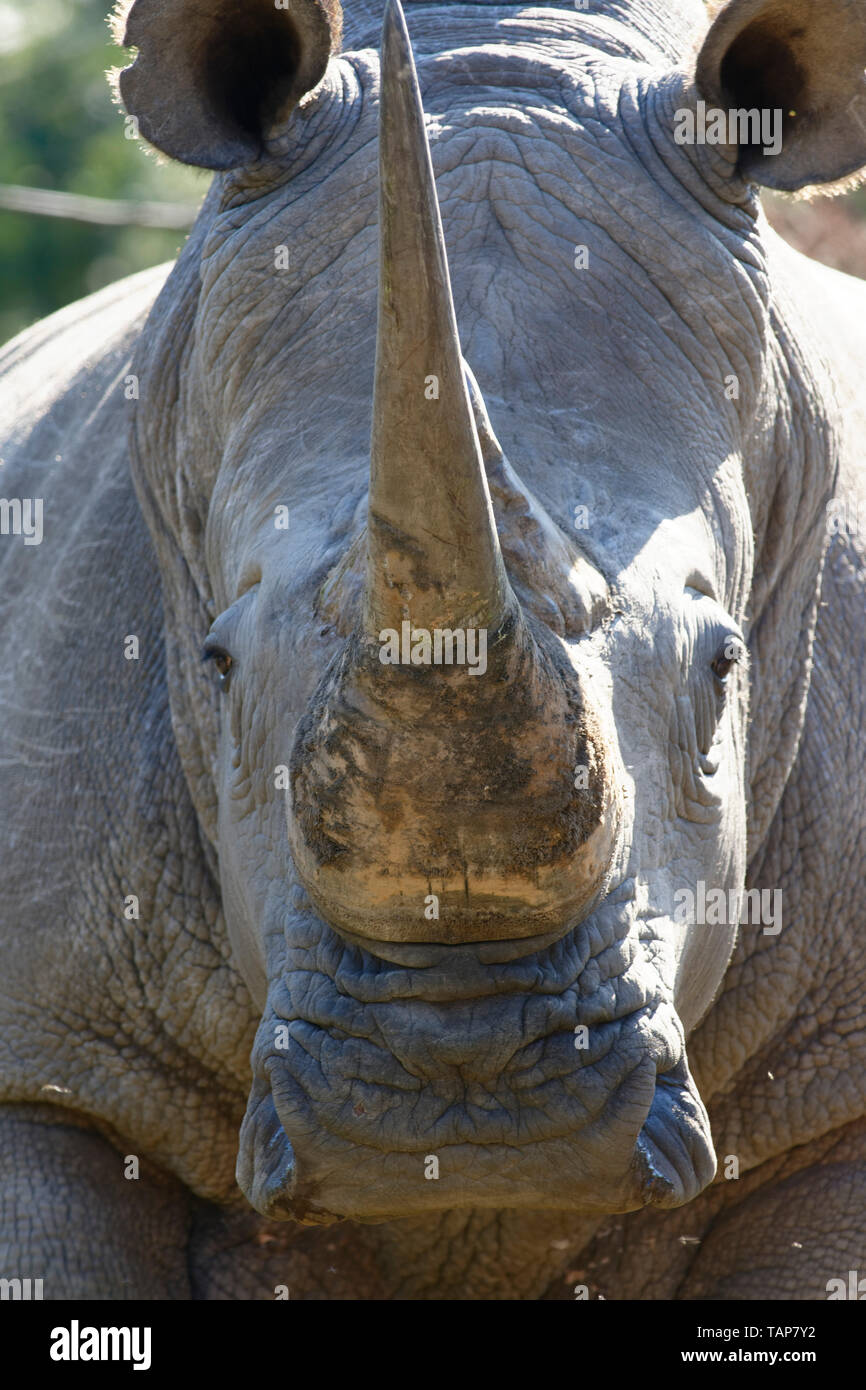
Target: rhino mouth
x=672, y=1161
x=555, y=1081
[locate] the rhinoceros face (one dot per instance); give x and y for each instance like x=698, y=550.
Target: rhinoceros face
x=470, y=737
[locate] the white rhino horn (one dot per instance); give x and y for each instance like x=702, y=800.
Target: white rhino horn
x=433, y=794
x=433, y=551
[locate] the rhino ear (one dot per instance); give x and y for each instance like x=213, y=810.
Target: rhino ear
x=210, y=79
x=804, y=59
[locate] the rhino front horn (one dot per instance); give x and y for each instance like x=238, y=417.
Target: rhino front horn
x=451, y=780
x=433, y=553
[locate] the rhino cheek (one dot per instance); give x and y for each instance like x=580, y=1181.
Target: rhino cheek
x=242, y=902
x=703, y=949
x=702, y=957
x=244, y=937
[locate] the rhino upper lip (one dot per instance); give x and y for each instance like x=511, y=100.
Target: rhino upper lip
x=459, y=973
x=423, y=955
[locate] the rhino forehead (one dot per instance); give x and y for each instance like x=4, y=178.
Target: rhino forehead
x=524, y=171
x=637, y=28
x=522, y=185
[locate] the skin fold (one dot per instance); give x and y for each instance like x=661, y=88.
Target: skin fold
x=216, y=958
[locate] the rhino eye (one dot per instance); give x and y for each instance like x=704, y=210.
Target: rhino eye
x=222, y=660
x=731, y=652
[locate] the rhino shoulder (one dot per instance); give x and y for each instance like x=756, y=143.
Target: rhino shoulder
x=91, y=775
x=60, y=367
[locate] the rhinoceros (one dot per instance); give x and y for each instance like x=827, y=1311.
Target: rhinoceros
x=432, y=737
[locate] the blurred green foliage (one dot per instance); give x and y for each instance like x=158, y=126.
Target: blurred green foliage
x=60, y=129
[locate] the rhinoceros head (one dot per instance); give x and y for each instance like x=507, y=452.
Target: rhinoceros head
x=481, y=751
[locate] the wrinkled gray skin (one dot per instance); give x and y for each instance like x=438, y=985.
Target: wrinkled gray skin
x=606, y=386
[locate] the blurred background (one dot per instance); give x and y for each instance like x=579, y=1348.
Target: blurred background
x=60, y=131
x=81, y=206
